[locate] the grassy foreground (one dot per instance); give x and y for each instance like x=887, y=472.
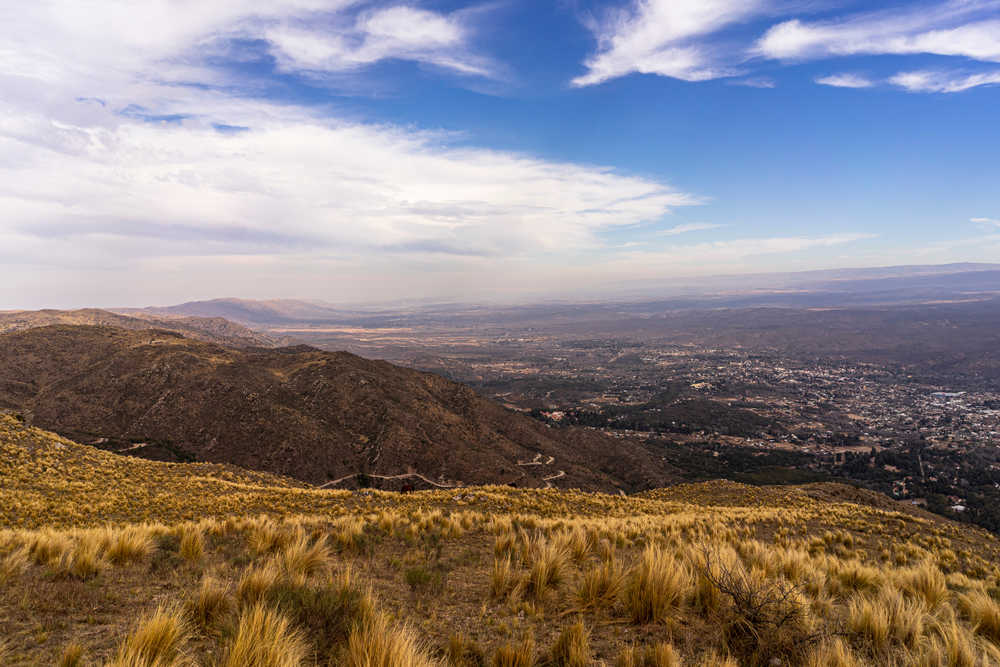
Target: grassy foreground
x=106, y=560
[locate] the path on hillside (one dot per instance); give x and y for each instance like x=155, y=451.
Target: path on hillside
x=406, y=475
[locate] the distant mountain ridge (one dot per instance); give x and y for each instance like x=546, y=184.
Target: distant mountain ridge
x=209, y=329
x=316, y=416
x=825, y=288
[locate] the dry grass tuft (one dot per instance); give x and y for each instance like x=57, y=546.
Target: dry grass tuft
x=520, y=654
x=376, y=642
x=14, y=564
x=73, y=655
x=210, y=605
x=601, y=585
x=192, y=544
x=129, y=545
x=572, y=648
x=264, y=638
x=658, y=655
x=156, y=642
x=984, y=613
x=655, y=586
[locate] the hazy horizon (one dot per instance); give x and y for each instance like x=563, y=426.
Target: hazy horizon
x=364, y=151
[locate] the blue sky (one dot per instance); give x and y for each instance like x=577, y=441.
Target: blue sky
x=354, y=150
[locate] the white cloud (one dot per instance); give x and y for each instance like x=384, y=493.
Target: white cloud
x=845, y=80
x=929, y=81
x=390, y=33
x=986, y=221
x=662, y=37
x=689, y=227
x=755, y=82
x=956, y=28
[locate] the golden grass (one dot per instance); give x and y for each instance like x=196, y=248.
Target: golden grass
x=727, y=573
x=73, y=655
x=156, y=642
x=377, y=642
x=572, y=648
x=265, y=638
x=515, y=654
x=210, y=605
x=655, y=586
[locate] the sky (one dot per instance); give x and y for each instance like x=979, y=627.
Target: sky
x=361, y=150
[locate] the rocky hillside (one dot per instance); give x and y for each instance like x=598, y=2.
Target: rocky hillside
x=208, y=329
x=320, y=417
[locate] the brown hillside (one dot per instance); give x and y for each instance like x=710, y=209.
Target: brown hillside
x=209, y=329
x=316, y=416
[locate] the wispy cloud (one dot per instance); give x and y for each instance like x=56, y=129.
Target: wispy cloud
x=845, y=80
x=956, y=28
x=695, y=41
x=688, y=227
x=661, y=37
x=931, y=81
x=993, y=222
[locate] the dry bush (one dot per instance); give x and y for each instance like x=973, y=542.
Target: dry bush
x=766, y=618
x=376, y=642
x=210, y=605
x=156, y=641
x=655, y=586
x=264, y=638
x=520, y=654
x=129, y=545
x=601, y=585
x=73, y=655
x=572, y=648
x=657, y=655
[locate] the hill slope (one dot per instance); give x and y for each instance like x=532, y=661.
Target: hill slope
x=316, y=416
x=208, y=329
x=708, y=575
